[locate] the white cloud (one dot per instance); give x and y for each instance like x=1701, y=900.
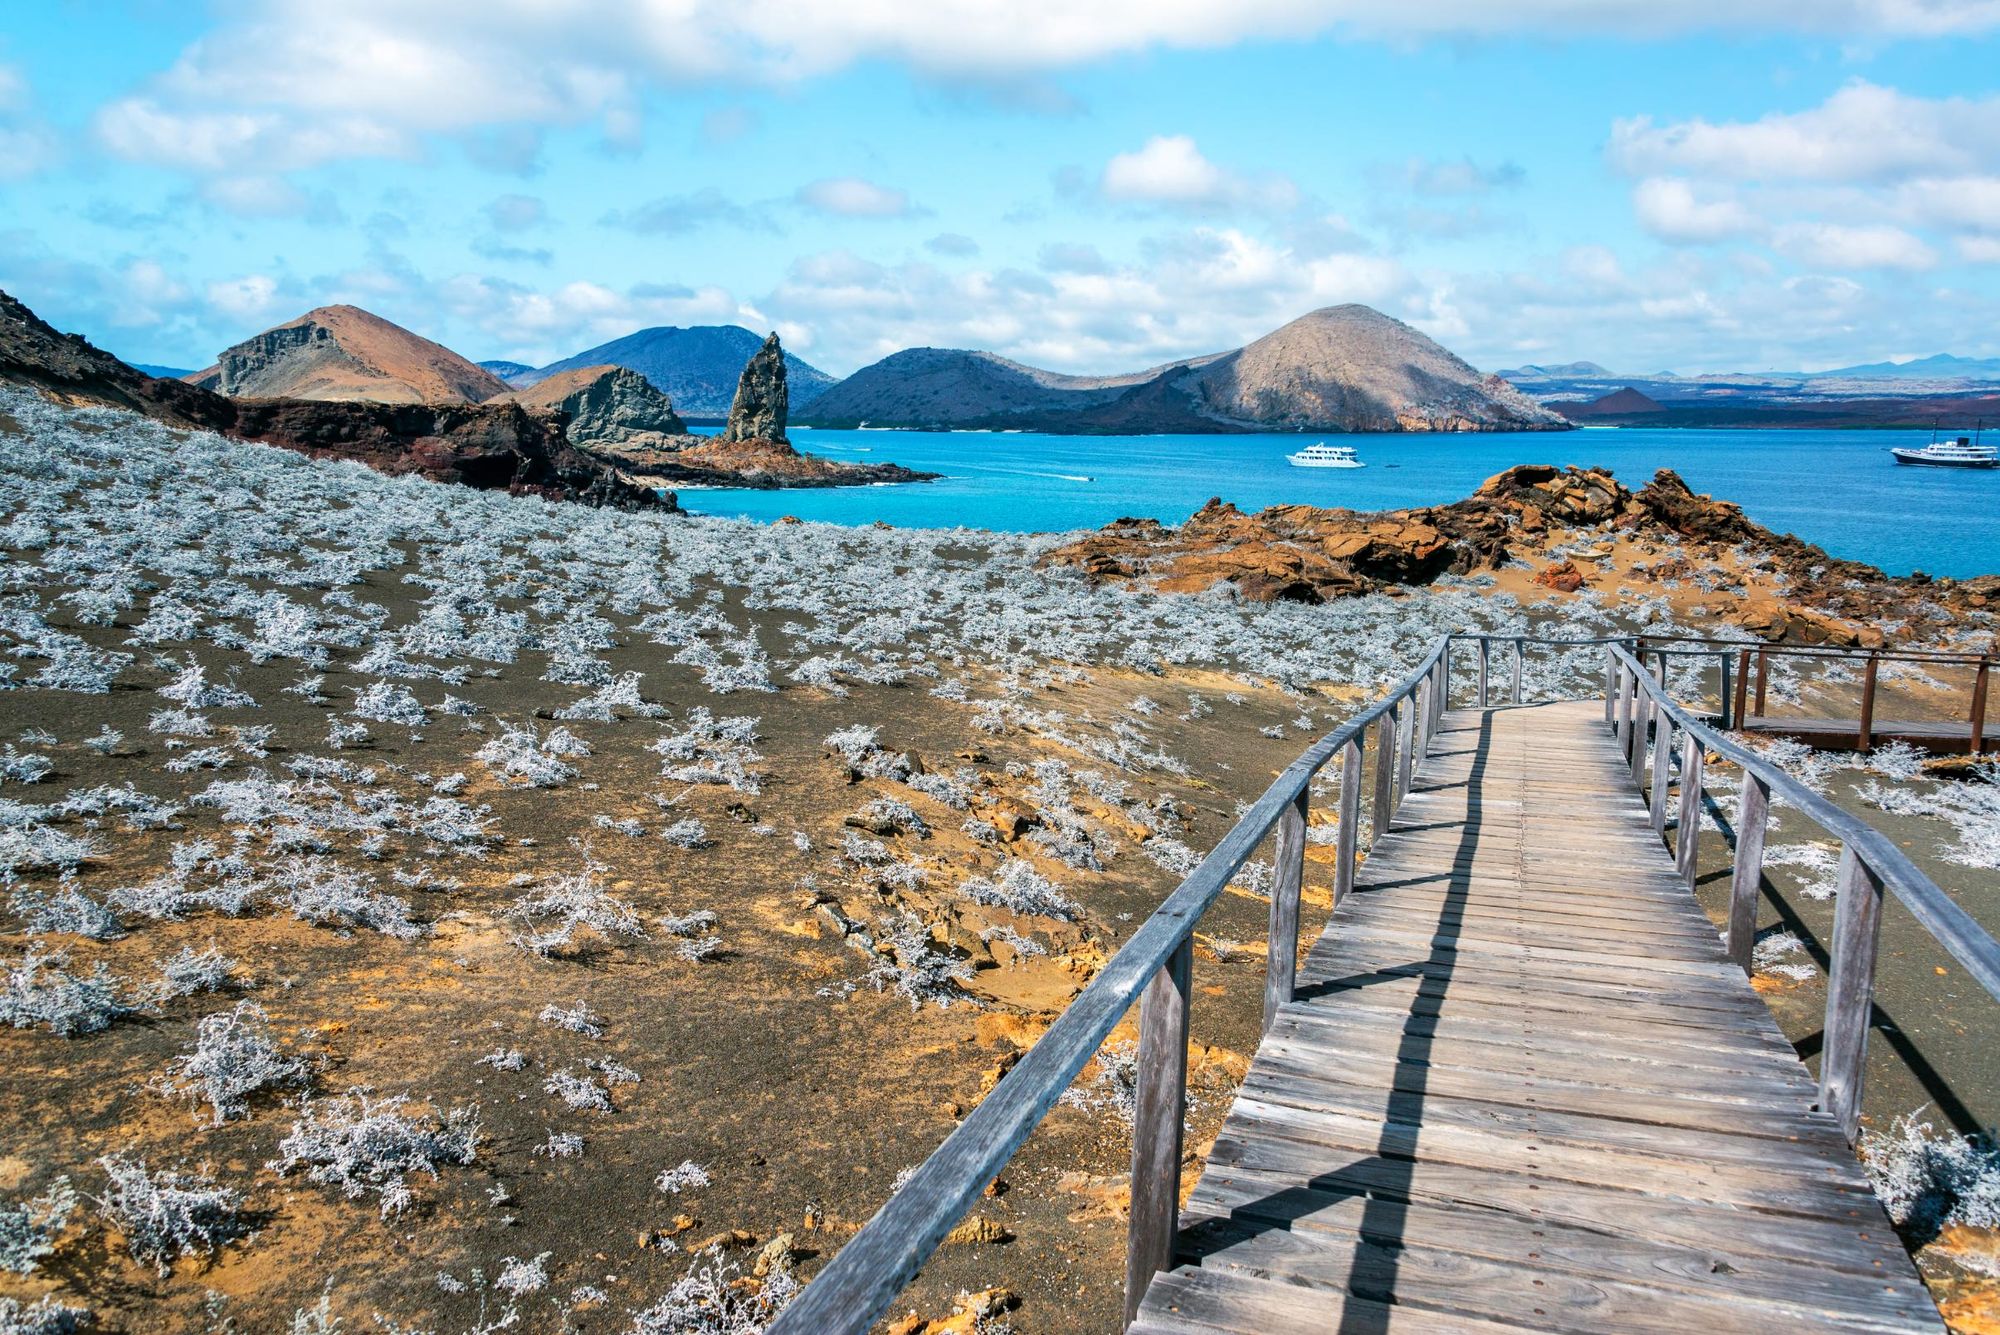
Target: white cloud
x=293, y=82
x=248, y=298
x=1836, y=246
x=1862, y=133
x=1669, y=209
x=1170, y=171
x=852, y=197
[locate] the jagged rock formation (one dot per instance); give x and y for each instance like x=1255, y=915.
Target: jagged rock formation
x=759, y=409
x=1306, y=554
x=345, y=353
x=501, y=447
x=697, y=367
x=606, y=406
x=1344, y=368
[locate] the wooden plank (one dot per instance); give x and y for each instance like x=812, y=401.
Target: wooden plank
x=1524, y=1080
x=1451, y=1281
x=1203, y=1302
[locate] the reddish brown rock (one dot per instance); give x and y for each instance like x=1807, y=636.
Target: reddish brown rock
x=1563, y=577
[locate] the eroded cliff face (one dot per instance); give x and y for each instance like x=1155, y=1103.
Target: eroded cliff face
x=498, y=446
x=1557, y=530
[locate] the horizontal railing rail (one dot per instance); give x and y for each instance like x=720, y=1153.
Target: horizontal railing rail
x=1640, y=710
x=1153, y=968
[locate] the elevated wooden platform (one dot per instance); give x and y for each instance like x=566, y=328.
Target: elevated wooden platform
x=1844, y=734
x=1521, y=1088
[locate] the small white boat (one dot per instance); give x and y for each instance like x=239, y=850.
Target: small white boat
x=1324, y=455
x=1964, y=452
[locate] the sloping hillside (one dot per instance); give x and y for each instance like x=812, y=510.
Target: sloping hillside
x=346, y=353
x=1345, y=368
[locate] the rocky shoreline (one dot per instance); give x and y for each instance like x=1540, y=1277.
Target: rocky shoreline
x=1557, y=531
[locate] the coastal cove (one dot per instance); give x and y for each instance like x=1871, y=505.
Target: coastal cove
x=1836, y=488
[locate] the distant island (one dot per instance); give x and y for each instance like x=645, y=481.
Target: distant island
x=1343, y=368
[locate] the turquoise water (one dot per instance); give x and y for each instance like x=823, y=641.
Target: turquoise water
x=1839, y=489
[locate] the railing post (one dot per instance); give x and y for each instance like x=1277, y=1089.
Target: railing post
x=1763, y=678
x=1385, y=776
x=1289, y=875
x=1444, y=673
x=1687, y=834
x=1663, y=760
x=1635, y=756
x=1724, y=659
x=1624, y=707
x=1406, y=746
x=1485, y=652
x=1610, y=685
x=1978, y=707
x=1850, y=992
x=1866, y=731
x=1517, y=670
x=1161, y=1087
x=1350, y=817
x=1742, y=685
x=1752, y=813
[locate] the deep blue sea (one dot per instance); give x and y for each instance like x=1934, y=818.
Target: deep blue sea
x=1839, y=489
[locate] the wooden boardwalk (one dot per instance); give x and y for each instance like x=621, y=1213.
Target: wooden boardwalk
x=1521, y=1088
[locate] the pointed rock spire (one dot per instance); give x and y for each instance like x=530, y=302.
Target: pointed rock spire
x=759, y=410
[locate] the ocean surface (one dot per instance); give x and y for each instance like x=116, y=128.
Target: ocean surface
x=1839, y=489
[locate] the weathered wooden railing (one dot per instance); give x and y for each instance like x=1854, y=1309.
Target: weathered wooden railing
x=1745, y=670
x=1637, y=705
x=1152, y=968
x=1753, y=676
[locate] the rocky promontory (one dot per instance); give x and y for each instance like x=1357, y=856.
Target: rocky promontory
x=752, y=450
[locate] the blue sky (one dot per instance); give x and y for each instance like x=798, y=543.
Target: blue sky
x=1676, y=184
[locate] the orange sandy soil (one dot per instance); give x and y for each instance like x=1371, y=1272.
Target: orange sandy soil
x=801, y=1106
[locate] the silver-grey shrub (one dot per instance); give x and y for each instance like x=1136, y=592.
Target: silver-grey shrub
x=168, y=1214
x=360, y=1144
x=233, y=1057
x=29, y=1228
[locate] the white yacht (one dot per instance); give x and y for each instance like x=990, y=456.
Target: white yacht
x=1324, y=455
x=1963, y=452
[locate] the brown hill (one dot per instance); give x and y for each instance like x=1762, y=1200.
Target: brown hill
x=503, y=447
x=1344, y=368
x=1626, y=402
x=345, y=353
x=1353, y=368
x=604, y=406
